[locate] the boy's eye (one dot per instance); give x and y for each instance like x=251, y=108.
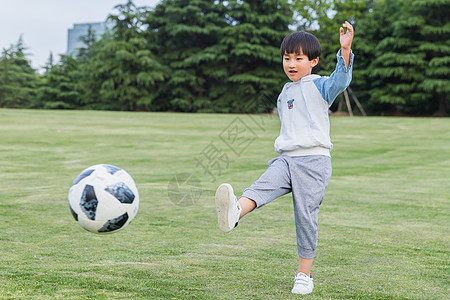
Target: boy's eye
x=299, y=58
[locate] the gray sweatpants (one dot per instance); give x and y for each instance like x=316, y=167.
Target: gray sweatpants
x=307, y=178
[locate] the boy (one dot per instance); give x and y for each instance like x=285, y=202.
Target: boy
x=304, y=164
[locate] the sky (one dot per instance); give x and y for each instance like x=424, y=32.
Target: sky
x=43, y=24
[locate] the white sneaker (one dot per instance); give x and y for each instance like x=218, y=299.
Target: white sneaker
x=228, y=207
x=303, y=284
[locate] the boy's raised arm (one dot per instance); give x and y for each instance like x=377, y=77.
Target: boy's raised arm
x=346, y=42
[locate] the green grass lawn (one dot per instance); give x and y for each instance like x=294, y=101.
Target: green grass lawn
x=384, y=224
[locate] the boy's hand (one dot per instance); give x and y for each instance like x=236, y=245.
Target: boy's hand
x=347, y=38
x=346, y=42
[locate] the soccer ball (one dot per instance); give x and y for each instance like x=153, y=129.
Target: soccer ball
x=103, y=199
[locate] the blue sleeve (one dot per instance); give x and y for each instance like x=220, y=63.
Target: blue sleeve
x=331, y=87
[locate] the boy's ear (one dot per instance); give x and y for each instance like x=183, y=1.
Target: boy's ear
x=314, y=62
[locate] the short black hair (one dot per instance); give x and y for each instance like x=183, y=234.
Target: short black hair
x=301, y=42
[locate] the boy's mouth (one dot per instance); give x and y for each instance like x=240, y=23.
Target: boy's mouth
x=292, y=72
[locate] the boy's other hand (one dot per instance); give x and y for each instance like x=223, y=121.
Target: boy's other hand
x=346, y=38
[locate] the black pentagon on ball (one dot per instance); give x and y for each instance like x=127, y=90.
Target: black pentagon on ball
x=89, y=202
x=114, y=224
x=82, y=175
x=121, y=191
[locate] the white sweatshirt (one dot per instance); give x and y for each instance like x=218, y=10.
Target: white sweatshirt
x=303, y=110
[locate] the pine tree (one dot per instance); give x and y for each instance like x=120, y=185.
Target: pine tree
x=253, y=37
x=88, y=41
x=407, y=48
x=18, y=79
x=184, y=35
x=313, y=16
x=400, y=69
x=123, y=71
x=375, y=26
x=323, y=18
x=433, y=18
x=59, y=88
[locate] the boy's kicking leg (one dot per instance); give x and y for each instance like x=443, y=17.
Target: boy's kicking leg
x=230, y=210
x=272, y=184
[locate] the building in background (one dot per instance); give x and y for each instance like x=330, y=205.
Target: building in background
x=79, y=30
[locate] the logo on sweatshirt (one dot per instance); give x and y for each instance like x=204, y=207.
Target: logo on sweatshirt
x=290, y=104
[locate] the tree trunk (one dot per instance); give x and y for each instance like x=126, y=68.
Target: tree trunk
x=442, y=111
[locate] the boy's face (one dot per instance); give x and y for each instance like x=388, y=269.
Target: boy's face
x=296, y=66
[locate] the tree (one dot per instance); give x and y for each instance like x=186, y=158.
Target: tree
x=313, y=16
x=184, y=36
x=18, y=79
x=405, y=49
x=253, y=37
x=123, y=71
x=88, y=41
x=433, y=19
x=323, y=18
x=59, y=87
